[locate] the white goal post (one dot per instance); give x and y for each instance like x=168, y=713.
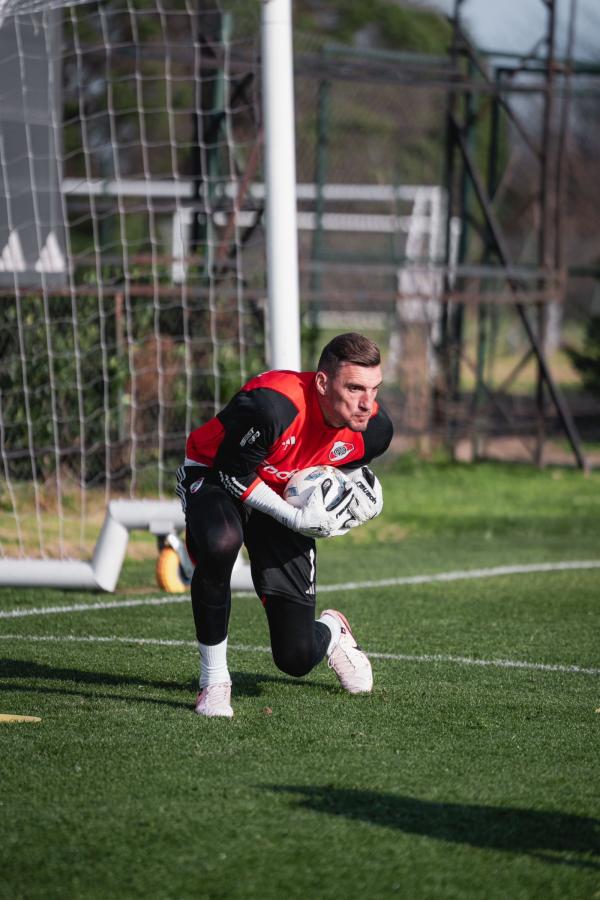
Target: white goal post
x=112, y=348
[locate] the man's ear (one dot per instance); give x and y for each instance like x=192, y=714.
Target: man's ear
x=321, y=383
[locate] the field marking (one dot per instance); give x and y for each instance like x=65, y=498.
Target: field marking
x=91, y=607
x=247, y=648
x=465, y=574
x=462, y=575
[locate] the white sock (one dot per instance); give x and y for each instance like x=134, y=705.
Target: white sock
x=213, y=663
x=335, y=628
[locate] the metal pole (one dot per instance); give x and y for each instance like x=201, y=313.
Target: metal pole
x=545, y=255
x=483, y=316
x=449, y=277
x=280, y=182
x=321, y=165
x=463, y=246
x=559, y=261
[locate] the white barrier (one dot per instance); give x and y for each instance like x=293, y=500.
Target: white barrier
x=161, y=518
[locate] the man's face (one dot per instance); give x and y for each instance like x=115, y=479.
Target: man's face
x=347, y=398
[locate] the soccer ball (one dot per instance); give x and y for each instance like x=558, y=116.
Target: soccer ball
x=330, y=481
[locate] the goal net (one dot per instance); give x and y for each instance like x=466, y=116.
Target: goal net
x=131, y=250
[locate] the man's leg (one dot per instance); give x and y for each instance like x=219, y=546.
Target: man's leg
x=214, y=537
x=284, y=574
x=298, y=642
x=283, y=565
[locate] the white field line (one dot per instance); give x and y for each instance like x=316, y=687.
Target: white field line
x=91, y=607
x=245, y=648
x=462, y=575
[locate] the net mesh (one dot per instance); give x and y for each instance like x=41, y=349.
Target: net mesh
x=131, y=250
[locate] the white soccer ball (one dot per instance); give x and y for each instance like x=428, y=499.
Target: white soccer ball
x=330, y=481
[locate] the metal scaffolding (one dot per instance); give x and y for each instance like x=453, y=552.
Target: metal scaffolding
x=471, y=196
x=486, y=96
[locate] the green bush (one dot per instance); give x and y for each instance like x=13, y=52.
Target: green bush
x=587, y=361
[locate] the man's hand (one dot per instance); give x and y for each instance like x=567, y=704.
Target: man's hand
x=317, y=520
x=367, y=493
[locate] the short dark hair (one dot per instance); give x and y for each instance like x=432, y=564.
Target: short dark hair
x=348, y=348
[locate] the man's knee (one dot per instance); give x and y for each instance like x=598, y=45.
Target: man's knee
x=223, y=545
x=294, y=661
x=219, y=543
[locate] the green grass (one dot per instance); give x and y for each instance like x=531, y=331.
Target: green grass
x=452, y=780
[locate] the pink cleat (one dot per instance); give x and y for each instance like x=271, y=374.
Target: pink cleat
x=215, y=700
x=348, y=661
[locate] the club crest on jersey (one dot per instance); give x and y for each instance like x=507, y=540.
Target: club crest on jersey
x=196, y=486
x=340, y=450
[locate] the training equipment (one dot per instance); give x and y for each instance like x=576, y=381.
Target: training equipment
x=11, y=717
x=332, y=484
x=314, y=519
x=348, y=661
x=368, y=494
x=132, y=248
x=215, y=700
x=324, y=494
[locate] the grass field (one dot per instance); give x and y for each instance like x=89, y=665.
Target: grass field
x=470, y=772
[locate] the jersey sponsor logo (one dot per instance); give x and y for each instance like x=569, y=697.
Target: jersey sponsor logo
x=278, y=473
x=250, y=437
x=289, y=442
x=340, y=450
x=196, y=486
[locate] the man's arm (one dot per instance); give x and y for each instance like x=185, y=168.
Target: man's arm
x=252, y=422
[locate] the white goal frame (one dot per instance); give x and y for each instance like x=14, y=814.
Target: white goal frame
x=161, y=517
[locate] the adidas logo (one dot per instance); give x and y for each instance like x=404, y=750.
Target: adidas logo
x=51, y=257
x=11, y=258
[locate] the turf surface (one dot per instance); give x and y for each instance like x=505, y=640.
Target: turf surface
x=464, y=774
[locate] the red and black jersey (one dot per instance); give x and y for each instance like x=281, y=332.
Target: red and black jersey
x=273, y=427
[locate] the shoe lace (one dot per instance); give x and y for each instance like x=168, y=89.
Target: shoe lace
x=217, y=693
x=344, y=661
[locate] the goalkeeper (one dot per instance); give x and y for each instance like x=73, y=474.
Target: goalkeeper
x=231, y=487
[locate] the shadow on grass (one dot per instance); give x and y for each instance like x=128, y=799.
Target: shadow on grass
x=26, y=668
x=38, y=676
x=536, y=833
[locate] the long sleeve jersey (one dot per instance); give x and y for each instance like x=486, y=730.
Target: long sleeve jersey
x=273, y=427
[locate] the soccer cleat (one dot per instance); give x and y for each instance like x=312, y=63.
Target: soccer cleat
x=348, y=661
x=215, y=700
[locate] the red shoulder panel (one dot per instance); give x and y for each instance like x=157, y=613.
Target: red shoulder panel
x=203, y=442
x=294, y=385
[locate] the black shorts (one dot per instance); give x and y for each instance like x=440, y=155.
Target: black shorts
x=283, y=562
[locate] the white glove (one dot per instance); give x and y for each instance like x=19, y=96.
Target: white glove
x=315, y=519
x=368, y=496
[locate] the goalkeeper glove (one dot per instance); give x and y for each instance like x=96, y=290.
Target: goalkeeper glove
x=315, y=519
x=368, y=496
